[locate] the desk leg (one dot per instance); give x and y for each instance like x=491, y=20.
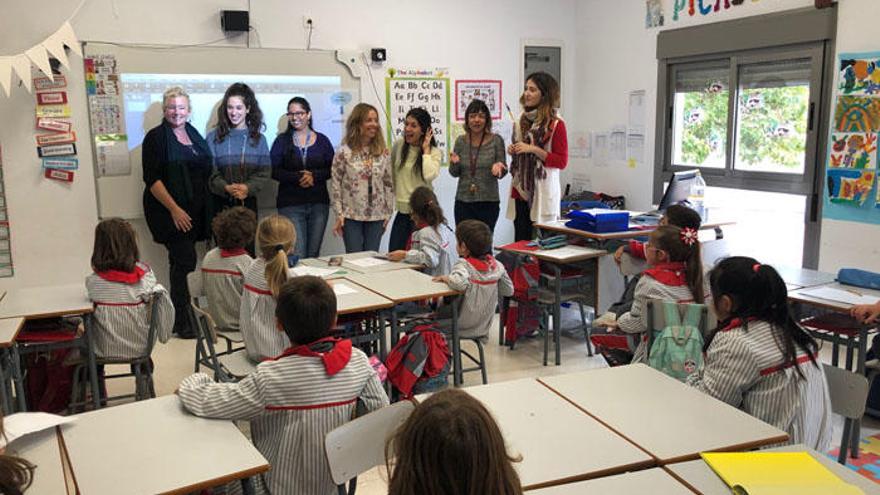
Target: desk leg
x=17, y=379
x=392, y=321
x=247, y=487
x=93, y=365
x=557, y=313
x=719, y=234
x=458, y=374
x=5, y=387
x=860, y=369
x=380, y=326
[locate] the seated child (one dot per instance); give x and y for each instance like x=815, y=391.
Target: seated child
x=479, y=276
x=120, y=288
x=432, y=245
x=294, y=400
x=759, y=359
x=450, y=444
x=676, y=274
x=223, y=267
x=262, y=281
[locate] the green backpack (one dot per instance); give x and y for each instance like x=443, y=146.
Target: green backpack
x=678, y=348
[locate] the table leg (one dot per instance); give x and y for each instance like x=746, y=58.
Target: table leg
x=557, y=313
x=380, y=327
x=502, y=316
x=5, y=388
x=393, y=326
x=17, y=379
x=458, y=374
x=860, y=369
x=850, y=343
x=93, y=365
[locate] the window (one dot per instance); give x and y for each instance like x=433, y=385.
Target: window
x=543, y=59
x=699, y=134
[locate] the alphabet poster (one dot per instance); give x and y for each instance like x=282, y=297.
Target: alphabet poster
x=430, y=93
x=487, y=90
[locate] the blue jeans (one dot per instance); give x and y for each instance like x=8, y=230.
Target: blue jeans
x=310, y=221
x=361, y=236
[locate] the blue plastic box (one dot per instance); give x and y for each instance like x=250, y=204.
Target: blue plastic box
x=599, y=220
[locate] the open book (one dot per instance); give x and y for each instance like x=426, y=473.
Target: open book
x=777, y=473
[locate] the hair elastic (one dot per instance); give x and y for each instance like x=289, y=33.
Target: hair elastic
x=756, y=267
x=279, y=247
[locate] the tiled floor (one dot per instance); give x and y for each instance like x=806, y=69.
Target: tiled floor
x=174, y=361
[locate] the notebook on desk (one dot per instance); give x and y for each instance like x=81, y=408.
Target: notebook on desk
x=776, y=473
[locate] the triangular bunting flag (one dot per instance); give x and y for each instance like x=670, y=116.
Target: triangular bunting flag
x=39, y=57
x=55, y=47
x=6, y=74
x=22, y=67
x=66, y=35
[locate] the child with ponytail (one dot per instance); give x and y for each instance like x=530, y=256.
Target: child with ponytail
x=276, y=238
x=433, y=244
x=676, y=274
x=759, y=359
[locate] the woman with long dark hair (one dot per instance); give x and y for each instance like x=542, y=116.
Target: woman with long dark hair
x=415, y=162
x=301, y=162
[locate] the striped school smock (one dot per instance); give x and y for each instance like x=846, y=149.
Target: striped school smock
x=744, y=368
x=434, y=248
x=262, y=339
x=223, y=279
x=121, y=321
x=292, y=403
x=481, y=280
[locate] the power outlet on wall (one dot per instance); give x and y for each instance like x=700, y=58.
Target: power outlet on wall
x=308, y=22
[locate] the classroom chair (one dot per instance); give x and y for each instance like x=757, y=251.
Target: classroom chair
x=631, y=266
x=713, y=251
x=359, y=445
x=479, y=362
x=141, y=369
x=848, y=392
x=573, y=291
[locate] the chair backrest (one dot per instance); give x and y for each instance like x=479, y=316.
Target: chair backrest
x=848, y=391
x=195, y=284
x=657, y=317
x=630, y=265
x=713, y=251
x=359, y=445
x=152, y=310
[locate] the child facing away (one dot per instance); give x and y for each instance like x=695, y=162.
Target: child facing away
x=294, y=400
x=450, y=444
x=432, y=245
x=759, y=359
x=276, y=237
x=479, y=276
x=120, y=288
x=16, y=474
x=223, y=267
x=676, y=274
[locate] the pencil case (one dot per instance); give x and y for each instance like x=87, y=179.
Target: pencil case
x=859, y=278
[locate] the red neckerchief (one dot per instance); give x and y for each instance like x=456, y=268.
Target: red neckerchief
x=419, y=226
x=229, y=253
x=482, y=265
x=334, y=360
x=736, y=323
x=672, y=274
x=131, y=277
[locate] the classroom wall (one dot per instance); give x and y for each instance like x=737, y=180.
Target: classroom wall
x=52, y=223
x=617, y=54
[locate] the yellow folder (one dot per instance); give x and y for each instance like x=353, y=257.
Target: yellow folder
x=776, y=473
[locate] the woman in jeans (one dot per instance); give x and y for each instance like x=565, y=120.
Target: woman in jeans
x=301, y=162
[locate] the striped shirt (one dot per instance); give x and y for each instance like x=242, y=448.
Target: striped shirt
x=744, y=368
x=121, y=321
x=223, y=279
x=481, y=281
x=292, y=404
x=262, y=339
x=433, y=248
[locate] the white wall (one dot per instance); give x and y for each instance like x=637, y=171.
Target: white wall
x=52, y=224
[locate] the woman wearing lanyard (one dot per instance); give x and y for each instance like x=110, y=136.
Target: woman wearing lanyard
x=363, y=191
x=478, y=160
x=301, y=162
x=241, y=155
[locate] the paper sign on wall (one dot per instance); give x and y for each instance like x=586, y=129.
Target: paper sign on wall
x=489, y=91
x=430, y=93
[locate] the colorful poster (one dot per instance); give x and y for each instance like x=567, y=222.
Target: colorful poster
x=853, y=150
x=487, y=90
x=848, y=186
x=859, y=76
x=857, y=114
x=430, y=93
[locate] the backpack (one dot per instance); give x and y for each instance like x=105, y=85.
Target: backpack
x=678, y=348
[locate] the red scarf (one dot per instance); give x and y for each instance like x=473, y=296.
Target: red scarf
x=229, y=253
x=479, y=265
x=131, y=277
x=334, y=360
x=409, y=242
x=672, y=274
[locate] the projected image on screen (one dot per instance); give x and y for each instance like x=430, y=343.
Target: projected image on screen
x=142, y=97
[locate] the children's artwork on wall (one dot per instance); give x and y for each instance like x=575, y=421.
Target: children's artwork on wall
x=859, y=76
x=848, y=186
x=857, y=114
x=853, y=150
x=654, y=13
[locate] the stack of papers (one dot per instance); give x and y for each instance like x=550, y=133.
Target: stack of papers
x=341, y=289
x=777, y=473
x=368, y=262
x=300, y=270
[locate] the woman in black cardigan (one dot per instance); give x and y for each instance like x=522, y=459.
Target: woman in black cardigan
x=176, y=169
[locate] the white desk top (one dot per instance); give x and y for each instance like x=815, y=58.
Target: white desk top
x=44, y=302
x=801, y=296
x=381, y=266
x=644, y=230
x=361, y=299
x=43, y=450
x=667, y=418
x=803, y=277
x=9, y=328
x=700, y=476
x=565, y=254
x=321, y=263
x=154, y=446
x=654, y=481
x=402, y=285
x=558, y=443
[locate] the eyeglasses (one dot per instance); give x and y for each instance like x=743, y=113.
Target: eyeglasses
x=297, y=114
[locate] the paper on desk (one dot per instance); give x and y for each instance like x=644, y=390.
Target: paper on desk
x=776, y=473
x=367, y=262
x=342, y=289
x=20, y=424
x=840, y=295
x=567, y=251
x=300, y=270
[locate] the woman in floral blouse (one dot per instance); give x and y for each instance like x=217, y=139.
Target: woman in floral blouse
x=363, y=190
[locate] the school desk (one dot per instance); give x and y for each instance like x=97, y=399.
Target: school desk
x=352, y=298
x=350, y=262
x=803, y=277
x=558, y=443
x=10, y=364
x=54, y=301
x=155, y=446
x=672, y=421
x=584, y=259
x=653, y=481
x=43, y=449
x=636, y=230
x=698, y=475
